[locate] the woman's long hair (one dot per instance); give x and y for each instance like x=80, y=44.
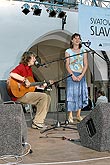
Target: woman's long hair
x=26, y=57
x=73, y=36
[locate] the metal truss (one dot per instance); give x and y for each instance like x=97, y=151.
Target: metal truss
x=98, y=3
x=70, y=3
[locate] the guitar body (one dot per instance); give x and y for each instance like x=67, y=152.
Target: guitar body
x=18, y=89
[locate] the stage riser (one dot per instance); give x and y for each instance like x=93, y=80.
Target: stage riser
x=94, y=129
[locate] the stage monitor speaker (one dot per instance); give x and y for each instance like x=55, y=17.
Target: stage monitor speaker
x=94, y=129
x=13, y=129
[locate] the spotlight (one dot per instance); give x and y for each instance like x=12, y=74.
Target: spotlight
x=25, y=8
x=36, y=10
x=61, y=13
x=52, y=12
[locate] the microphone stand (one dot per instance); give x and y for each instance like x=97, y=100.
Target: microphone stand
x=58, y=123
x=94, y=52
x=45, y=64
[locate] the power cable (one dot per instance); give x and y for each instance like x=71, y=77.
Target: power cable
x=18, y=158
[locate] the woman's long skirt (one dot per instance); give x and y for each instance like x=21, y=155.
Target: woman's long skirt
x=76, y=93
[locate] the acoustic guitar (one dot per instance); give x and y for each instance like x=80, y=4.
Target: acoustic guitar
x=18, y=89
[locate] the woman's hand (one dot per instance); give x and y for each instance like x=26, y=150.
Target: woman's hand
x=79, y=77
x=74, y=78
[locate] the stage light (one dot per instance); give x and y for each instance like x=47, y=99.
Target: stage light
x=25, y=8
x=36, y=10
x=52, y=12
x=61, y=13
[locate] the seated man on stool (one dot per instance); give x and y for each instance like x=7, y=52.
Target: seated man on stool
x=41, y=100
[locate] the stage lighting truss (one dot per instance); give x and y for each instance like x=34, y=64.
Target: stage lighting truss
x=52, y=12
x=36, y=10
x=58, y=12
x=61, y=14
x=25, y=8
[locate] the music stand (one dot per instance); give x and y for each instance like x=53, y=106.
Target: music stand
x=58, y=123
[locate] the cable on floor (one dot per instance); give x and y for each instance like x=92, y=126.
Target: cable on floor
x=16, y=159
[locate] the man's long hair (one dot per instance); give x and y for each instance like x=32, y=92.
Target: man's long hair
x=26, y=57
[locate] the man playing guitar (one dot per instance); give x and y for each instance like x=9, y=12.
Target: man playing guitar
x=20, y=89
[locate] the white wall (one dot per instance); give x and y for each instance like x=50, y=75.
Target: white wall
x=19, y=31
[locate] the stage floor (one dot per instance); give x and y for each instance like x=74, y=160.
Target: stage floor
x=59, y=146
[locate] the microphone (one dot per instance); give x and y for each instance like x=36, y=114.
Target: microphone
x=87, y=43
x=38, y=64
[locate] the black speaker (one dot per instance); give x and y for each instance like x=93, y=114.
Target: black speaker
x=13, y=129
x=94, y=129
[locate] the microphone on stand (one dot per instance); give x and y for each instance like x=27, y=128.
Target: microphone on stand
x=38, y=64
x=87, y=43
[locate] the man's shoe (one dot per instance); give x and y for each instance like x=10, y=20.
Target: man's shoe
x=39, y=126
x=79, y=118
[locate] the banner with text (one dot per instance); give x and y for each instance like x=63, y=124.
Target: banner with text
x=94, y=26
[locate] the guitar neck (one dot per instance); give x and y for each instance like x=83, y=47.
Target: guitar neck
x=39, y=83
x=36, y=83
